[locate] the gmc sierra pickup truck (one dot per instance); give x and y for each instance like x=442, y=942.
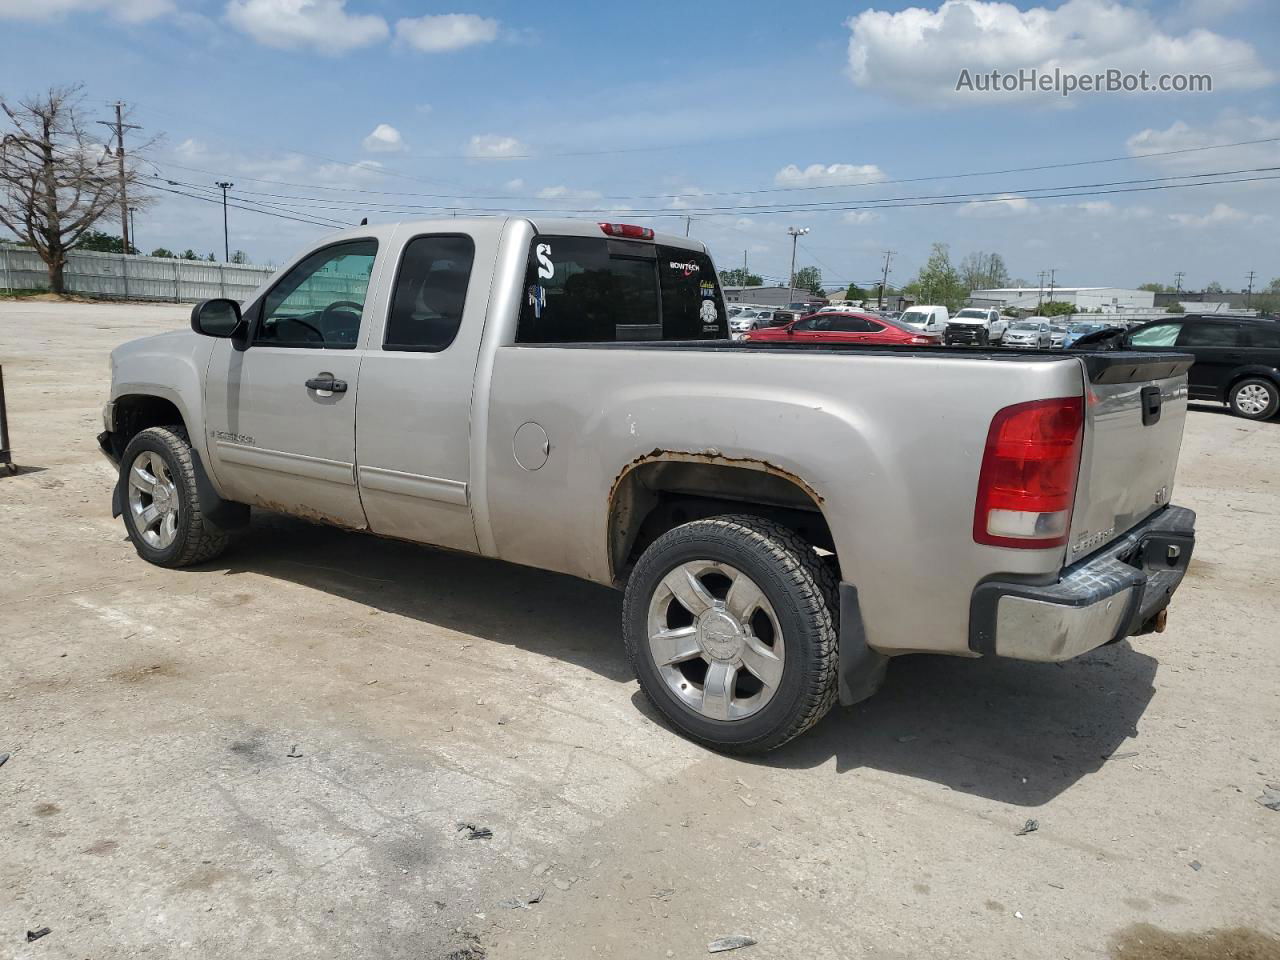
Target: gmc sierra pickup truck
x=565, y=394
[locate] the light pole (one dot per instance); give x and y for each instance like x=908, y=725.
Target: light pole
x=133, y=230
x=796, y=234
x=226, y=242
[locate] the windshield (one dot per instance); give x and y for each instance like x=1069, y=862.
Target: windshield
x=915, y=316
x=1025, y=325
x=972, y=314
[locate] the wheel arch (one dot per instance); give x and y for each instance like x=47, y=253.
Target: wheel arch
x=664, y=489
x=1251, y=372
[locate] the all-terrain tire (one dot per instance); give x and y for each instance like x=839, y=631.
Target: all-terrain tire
x=802, y=590
x=196, y=540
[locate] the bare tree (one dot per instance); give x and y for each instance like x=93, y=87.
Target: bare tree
x=56, y=181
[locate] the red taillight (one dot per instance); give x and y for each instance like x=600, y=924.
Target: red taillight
x=1028, y=481
x=923, y=341
x=627, y=230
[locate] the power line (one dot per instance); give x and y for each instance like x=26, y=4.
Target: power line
x=724, y=193
x=1066, y=191
x=236, y=206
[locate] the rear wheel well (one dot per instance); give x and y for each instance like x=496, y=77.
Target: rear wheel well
x=657, y=496
x=1239, y=378
x=136, y=412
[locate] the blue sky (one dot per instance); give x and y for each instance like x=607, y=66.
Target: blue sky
x=336, y=109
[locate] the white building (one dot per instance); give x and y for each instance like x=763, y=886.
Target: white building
x=1086, y=299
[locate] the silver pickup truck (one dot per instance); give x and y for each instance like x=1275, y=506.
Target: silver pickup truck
x=565, y=394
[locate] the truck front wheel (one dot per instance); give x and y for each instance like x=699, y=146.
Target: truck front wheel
x=731, y=625
x=161, y=506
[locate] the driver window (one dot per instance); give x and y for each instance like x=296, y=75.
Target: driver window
x=1160, y=335
x=319, y=302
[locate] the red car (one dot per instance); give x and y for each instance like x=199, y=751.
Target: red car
x=844, y=328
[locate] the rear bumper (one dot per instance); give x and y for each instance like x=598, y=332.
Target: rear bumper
x=1115, y=593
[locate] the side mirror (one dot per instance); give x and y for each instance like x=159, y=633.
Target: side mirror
x=216, y=318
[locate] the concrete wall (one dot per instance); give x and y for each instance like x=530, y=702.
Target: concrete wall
x=115, y=275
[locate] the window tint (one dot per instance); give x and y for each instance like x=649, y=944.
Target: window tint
x=318, y=303
x=1211, y=335
x=431, y=288
x=1161, y=335
x=1265, y=336
x=850, y=325
x=588, y=290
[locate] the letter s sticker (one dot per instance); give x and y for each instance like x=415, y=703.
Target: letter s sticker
x=546, y=269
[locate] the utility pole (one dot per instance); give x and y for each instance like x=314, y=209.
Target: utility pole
x=119, y=127
x=226, y=237
x=133, y=230
x=1053, y=272
x=742, y=297
x=1040, y=294
x=688, y=222
x=884, y=279
x=1248, y=297
x=796, y=233
x=1177, y=281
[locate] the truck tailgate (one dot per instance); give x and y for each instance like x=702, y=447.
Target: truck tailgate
x=1135, y=406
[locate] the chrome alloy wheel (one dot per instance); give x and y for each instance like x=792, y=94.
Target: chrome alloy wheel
x=153, y=500
x=715, y=640
x=1253, y=399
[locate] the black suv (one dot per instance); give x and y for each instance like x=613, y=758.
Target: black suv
x=1237, y=358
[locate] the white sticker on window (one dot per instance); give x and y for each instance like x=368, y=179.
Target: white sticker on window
x=546, y=269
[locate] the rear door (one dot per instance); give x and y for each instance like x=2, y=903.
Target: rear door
x=1218, y=346
x=413, y=425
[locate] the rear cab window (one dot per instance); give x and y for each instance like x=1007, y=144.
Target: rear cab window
x=602, y=290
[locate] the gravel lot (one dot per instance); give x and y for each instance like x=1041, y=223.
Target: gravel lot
x=155, y=805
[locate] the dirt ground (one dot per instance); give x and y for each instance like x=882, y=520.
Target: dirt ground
x=269, y=756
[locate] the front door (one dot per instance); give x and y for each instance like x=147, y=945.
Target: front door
x=281, y=414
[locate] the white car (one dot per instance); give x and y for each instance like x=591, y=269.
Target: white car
x=1030, y=334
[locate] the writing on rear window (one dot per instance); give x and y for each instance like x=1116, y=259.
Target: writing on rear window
x=593, y=290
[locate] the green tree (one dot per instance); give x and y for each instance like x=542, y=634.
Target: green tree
x=1156, y=288
x=163, y=252
x=1057, y=308
x=1176, y=308
x=808, y=278
x=738, y=277
x=99, y=242
x=239, y=257
x=938, y=281
x=855, y=292
x=211, y=258
x=1213, y=286
x=188, y=254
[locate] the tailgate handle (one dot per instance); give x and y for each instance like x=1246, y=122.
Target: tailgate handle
x=1150, y=405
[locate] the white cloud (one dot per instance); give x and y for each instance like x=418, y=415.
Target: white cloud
x=130, y=11
x=323, y=25
x=1006, y=205
x=680, y=200
x=493, y=145
x=384, y=139
x=567, y=193
x=1220, y=214
x=919, y=53
x=446, y=31
x=831, y=174
x=1228, y=127
x=860, y=216
x=1098, y=208
x=514, y=185
x=424, y=108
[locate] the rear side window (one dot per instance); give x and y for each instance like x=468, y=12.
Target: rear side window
x=1260, y=336
x=1212, y=335
x=589, y=290
x=430, y=291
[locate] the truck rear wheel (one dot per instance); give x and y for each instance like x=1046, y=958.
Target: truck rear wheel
x=731, y=625
x=161, y=506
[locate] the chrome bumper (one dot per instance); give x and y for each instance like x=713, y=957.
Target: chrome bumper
x=1120, y=591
